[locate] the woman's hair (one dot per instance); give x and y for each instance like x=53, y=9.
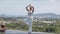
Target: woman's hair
x=2, y=26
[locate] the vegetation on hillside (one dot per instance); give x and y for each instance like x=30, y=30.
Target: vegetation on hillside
x=37, y=26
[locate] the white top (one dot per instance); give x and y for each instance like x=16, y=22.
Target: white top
x=30, y=15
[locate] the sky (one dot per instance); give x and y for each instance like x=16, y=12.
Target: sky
x=17, y=7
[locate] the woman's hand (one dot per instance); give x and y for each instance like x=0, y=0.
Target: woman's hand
x=30, y=8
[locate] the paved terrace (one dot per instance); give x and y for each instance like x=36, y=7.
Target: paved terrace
x=23, y=32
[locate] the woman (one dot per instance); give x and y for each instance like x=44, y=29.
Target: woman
x=30, y=10
x=2, y=28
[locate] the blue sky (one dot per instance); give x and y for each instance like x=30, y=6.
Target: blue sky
x=17, y=7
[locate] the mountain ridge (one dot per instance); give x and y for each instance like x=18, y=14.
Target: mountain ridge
x=47, y=15
x=42, y=15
